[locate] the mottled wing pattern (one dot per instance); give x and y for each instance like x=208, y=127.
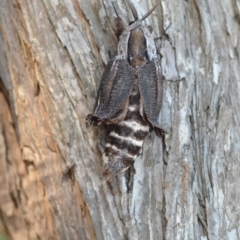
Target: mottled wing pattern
x=150, y=86
x=115, y=87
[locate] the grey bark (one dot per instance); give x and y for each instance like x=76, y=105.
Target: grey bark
x=183, y=187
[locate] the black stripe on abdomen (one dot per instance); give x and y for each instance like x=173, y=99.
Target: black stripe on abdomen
x=123, y=145
x=125, y=139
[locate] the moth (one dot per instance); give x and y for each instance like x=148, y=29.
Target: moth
x=129, y=96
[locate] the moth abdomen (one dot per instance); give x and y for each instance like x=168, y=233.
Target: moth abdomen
x=120, y=153
x=124, y=141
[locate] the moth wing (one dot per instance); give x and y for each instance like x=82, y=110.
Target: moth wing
x=114, y=90
x=150, y=86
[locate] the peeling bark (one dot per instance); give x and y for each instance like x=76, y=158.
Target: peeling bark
x=183, y=187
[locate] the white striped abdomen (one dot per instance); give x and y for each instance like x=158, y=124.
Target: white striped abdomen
x=125, y=139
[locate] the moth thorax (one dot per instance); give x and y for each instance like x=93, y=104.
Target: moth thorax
x=137, y=48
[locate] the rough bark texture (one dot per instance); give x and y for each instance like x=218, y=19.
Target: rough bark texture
x=52, y=55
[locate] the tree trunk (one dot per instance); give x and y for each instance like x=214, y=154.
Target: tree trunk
x=185, y=186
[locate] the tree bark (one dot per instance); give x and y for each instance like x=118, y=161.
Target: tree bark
x=185, y=186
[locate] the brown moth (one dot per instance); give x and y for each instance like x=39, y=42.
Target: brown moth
x=129, y=96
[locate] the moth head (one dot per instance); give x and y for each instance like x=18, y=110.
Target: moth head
x=120, y=27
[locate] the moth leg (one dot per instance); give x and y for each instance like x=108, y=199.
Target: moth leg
x=159, y=132
x=139, y=154
x=92, y=120
x=164, y=35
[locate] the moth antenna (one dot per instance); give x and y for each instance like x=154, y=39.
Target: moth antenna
x=133, y=10
x=149, y=12
x=115, y=10
x=164, y=33
x=168, y=27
